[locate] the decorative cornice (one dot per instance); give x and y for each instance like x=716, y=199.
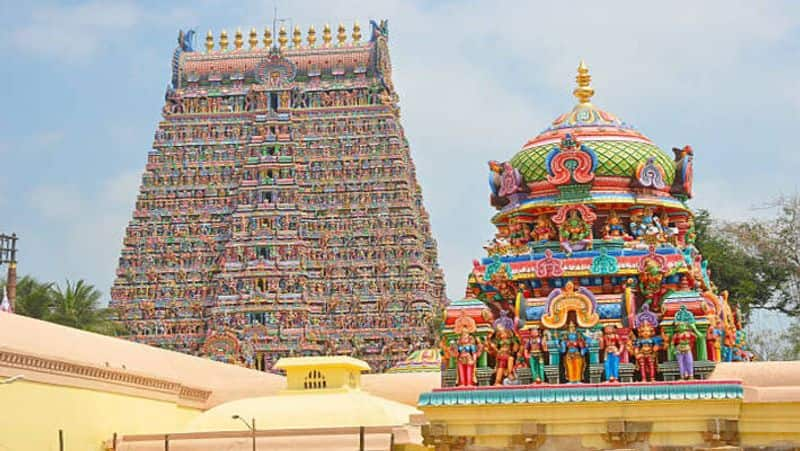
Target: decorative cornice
x=112, y=376
x=539, y=394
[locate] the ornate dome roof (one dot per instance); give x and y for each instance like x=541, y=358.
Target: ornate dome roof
x=618, y=146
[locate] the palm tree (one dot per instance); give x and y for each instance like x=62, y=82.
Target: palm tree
x=34, y=298
x=78, y=306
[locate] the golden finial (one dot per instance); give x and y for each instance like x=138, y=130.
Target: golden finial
x=223, y=40
x=296, y=39
x=356, y=33
x=238, y=41
x=253, y=41
x=312, y=36
x=326, y=36
x=282, y=39
x=209, y=42
x=584, y=91
x=342, y=35
x=267, y=38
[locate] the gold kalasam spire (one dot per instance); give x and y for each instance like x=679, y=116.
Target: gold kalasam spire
x=209, y=42
x=282, y=39
x=584, y=91
x=267, y=38
x=223, y=40
x=312, y=36
x=326, y=36
x=356, y=33
x=238, y=41
x=296, y=39
x=342, y=35
x=253, y=41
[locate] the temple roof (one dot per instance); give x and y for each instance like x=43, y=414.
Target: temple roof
x=619, y=146
x=44, y=351
x=249, y=56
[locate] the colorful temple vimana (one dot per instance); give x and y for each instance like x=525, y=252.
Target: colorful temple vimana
x=279, y=212
x=593, y=275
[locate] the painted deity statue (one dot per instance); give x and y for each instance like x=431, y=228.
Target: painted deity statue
x=741, y=353
x=543, y=229
x=503, y=345
x=466, y=350
x=714, y=337
x=575, y=234
x=534, y=348
x=637, y=229
x=650, y=284
x=574, y=348
x=646, y=348
x=611, y=346
x=518, y=232
x=614, y=228
x=650, y=227
x=669, y=234
x=683, y=341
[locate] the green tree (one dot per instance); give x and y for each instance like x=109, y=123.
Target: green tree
x=775, y=244
x=34, y=298
x=747, y=276
x=78, y=305
x=792, y=339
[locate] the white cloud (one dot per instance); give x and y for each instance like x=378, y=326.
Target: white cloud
x=57, y=202
x=75, y=32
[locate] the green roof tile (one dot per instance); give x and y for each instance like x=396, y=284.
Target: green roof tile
x=615, y=158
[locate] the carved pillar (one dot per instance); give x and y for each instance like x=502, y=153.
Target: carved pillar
x=622, y=433
x=436, y=435
x=530, y=437
x=721, y=432
x=555, y=356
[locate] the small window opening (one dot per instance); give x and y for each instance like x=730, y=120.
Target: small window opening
x=314, y=380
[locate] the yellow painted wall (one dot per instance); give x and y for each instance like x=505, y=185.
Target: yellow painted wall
x=674, y=423
x=32, y=413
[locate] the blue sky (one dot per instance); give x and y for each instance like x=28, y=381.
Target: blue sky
x=83, y=84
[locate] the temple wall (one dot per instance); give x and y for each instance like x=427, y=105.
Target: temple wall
x=32, y=413
x=652, y=425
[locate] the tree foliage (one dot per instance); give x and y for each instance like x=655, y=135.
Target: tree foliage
x=775, y=243
x=774, y=345
x=747, y=276
x=75, y=305
x=34, y=298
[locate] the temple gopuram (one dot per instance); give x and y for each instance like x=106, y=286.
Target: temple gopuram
x=592, y=292
x=279, y=212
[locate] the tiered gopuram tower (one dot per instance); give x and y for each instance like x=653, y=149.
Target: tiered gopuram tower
x=279, y=212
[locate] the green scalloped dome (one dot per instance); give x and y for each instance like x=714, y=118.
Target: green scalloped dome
x=616, y=158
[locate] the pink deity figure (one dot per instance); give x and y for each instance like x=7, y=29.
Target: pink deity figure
x=646, y=349
x=611, y=349
x=466, y=349
x=503, y=344
x=625, y=338
x=509, y=180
